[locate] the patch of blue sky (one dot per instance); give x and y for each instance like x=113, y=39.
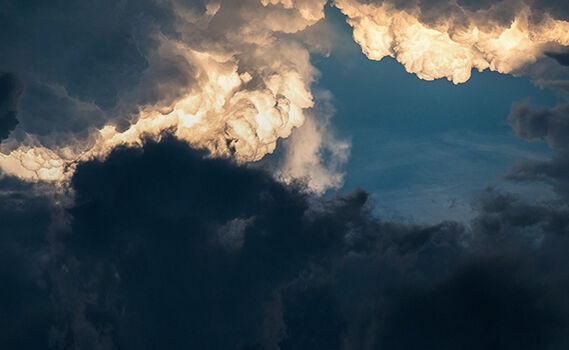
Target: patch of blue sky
x=425, y=148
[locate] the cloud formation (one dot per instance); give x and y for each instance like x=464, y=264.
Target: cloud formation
x=206, y=253
x=164, y=246
x=550, y=124
x=224, y=76
x=10, y=91
x=443, y=39
x=232, y=78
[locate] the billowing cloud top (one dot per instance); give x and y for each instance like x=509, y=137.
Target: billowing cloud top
x=217, y=78
x=444, y=39
x=231, y=77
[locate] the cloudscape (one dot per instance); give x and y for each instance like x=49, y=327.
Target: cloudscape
x=284, y=174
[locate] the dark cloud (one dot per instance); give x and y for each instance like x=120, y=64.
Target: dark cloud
x=71, y=45
x=559, y=85
x=558, y=9
x=47, y=110
x=10, y=90
x=551, y=124
x=555, y=171
x=562, y=58
x=166, y=248
x=26, y=311
x=487, y=303
x=146, y=228
x=81, y=60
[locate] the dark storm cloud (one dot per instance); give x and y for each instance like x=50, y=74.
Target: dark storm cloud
x=167, y=249
x=10, y=90
x=26, y=312
x=164, y=248
x=146, y=227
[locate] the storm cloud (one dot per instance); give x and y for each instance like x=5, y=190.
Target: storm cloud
x=146, y=256
x=131, y=215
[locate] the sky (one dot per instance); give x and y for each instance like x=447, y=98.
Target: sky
x=450, y=125
x=284, y=174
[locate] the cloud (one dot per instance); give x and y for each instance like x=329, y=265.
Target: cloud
x=221, y=238
x=441, y=39
x=553, y=171
x=208, y=253
x=228, y=77
x=313, y=154
x=551, y=124
x=27, y=312
x=165, y=246
x=10, y=91
x=562, y=58
x=233, y=78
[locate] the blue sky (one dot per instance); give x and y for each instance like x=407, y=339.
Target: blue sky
x=423, y=148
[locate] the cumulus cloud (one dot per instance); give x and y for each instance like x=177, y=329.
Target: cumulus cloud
x=142, y=251
x=443, y=39
x=232, y=78
x=223, y=76
x=164, y=246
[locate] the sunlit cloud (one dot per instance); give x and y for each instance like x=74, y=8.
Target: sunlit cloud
x=238, y=82
x=455, y=43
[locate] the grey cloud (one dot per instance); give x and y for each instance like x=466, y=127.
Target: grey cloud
x=232, y=234
x=551, y=124
x=92, y=53
x=49, y=109
x=306, y=272
x=26, y=313
x=95, y=50
x=554, y=171
x=560, y=85
x=10, y=90
x=562, y=58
